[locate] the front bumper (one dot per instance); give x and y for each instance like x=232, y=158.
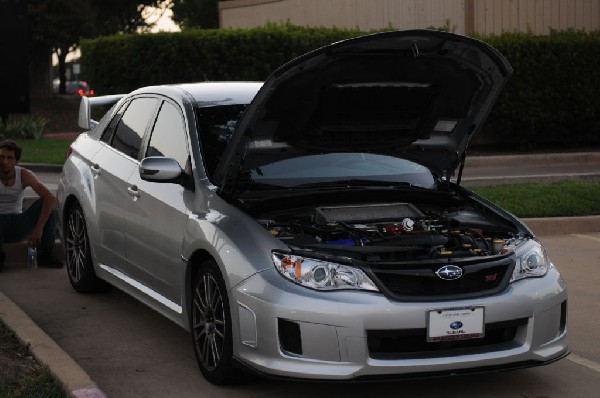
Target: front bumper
x=285, y=330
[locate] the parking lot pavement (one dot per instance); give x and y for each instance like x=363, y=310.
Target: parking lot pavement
x=128, y=350
x=113, y=340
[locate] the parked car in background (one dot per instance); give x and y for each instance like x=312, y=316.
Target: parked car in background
x=309, y=227
x=74, y=87
x=84, y=89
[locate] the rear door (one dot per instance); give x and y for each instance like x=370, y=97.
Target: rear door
x=112, y=167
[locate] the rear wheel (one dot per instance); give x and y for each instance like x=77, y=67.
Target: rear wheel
x=211, y=327
x=79, y=256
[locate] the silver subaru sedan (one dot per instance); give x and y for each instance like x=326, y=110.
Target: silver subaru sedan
x=314, y=226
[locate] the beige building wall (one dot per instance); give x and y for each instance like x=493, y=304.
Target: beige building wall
x=362, y=14
x=464, y=16
x=538, y=16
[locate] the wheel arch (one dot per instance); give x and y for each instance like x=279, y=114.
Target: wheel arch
x=69, y=202
x=195, y=262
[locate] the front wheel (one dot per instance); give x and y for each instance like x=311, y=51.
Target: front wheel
x=211, y=327
x=79, y=255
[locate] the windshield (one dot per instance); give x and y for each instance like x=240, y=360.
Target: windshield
x=330, y=168
x=216, y=125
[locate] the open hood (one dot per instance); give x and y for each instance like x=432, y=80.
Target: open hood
x=420, y=95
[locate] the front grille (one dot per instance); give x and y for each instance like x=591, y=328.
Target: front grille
x=419, y=281
x=394, y=344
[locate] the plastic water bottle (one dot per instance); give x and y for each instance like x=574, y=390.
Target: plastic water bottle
x=32, y=257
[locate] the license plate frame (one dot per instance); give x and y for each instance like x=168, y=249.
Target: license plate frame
x=456, y=323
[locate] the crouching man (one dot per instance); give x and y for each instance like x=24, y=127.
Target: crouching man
x=36, y=223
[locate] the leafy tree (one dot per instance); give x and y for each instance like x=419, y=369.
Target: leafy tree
x=195, y=13
x=58, y=25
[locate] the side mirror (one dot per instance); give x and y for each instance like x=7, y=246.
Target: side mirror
x=160, y=169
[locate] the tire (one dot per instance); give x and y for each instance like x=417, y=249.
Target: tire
x=211, y=327
x=79, y=256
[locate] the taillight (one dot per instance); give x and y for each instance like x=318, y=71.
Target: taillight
x=80, y=91
x=69, y=151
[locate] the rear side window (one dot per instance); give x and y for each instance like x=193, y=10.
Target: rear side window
x=131, y=127
x=168, y=135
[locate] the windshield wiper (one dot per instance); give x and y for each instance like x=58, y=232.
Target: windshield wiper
x=259, y=186
x=358, y=183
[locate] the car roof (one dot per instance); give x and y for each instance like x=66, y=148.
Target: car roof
x=209, y=93
x=201, y=94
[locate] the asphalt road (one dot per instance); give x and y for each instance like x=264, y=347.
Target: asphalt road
x=131, y=351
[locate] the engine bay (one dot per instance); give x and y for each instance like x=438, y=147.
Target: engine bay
x=393, y=231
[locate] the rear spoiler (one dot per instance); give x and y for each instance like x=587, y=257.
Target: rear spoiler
x=85, y=108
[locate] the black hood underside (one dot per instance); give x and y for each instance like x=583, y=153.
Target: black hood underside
x=419, y=95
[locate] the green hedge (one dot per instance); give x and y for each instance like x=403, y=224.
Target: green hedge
x=121, y=63
x=551, y=100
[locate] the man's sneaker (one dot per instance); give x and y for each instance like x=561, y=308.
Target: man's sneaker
x=48, y=260
x=2, y=258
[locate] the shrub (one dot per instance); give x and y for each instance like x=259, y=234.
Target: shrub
x=121, y=63
x=29, y=127
x=552, y=97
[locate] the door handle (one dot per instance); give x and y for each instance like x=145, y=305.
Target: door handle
x=133, y=191
x=96, y=170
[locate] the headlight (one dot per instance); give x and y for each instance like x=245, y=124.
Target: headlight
x=532, y=261
x=321, y=275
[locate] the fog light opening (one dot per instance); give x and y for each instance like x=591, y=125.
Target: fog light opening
x=290, y=340
x=563, y=317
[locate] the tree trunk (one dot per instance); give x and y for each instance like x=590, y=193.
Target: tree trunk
x=61, y=53
x=40, y=71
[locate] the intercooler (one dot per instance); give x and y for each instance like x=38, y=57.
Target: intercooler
x=366, y=214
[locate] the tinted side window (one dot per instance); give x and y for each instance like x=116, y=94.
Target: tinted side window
x=108, y=132
x=168, y=135
x=131, y=127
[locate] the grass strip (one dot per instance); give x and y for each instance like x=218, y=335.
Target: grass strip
x=560, y=199
x=20, y=374
x=45, y=150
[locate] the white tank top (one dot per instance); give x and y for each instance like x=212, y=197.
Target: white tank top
x=11, y=198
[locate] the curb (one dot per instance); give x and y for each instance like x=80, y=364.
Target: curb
x=74, y=379
x=540, y=159
x=563, y=225
x=527, y=179
x=43, y=167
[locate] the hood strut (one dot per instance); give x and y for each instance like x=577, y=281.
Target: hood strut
x=460, y=169
x=464, y=155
